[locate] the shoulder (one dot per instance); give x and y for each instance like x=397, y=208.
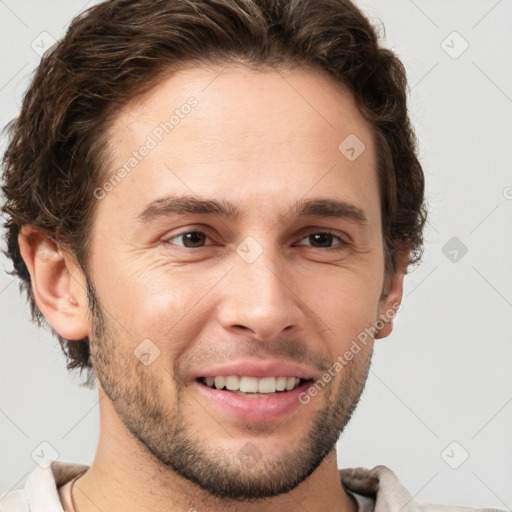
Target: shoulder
x=40, y=491
x=14, y=501
x=382, y=485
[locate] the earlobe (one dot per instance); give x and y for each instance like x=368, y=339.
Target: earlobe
x=392, y=296
x=57, y=284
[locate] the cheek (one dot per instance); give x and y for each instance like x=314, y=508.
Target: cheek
x=165, y=305
x=348, y=308
x=171, y=304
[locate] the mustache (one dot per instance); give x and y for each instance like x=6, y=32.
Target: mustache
x=286, y=349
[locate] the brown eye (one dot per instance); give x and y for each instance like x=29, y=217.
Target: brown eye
x=324, y=240
x=190, y=239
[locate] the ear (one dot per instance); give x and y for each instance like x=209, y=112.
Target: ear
x=57, y=283
x=391, y=298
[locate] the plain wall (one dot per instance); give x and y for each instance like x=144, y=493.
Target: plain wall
x=443, y=376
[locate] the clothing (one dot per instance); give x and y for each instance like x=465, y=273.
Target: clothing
x=376, y=490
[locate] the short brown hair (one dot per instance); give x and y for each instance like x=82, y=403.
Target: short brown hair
x=121, y=48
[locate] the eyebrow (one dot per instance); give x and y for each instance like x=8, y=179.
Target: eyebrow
x=185, y=204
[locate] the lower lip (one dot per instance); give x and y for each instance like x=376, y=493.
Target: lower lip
x=254, y=408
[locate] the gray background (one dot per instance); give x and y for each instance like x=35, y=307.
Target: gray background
x=444, y=374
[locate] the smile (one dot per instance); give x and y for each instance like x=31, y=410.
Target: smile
x=252, y=386
x=270, y=404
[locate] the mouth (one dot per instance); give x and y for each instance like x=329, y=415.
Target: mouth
x=246, y=385
x=252, y=390
x=250, y=399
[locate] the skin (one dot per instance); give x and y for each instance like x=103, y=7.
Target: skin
x=263, y=139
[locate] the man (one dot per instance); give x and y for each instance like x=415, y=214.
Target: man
x=213, y=205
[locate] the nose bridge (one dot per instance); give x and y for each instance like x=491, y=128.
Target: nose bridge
x=258, y=294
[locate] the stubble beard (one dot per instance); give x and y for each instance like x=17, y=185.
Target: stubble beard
x=164, y=432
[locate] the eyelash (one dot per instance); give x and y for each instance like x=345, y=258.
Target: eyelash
x=342, y=243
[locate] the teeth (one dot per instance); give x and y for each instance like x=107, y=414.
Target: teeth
x=232, y=383
x=247, y=384
x=281, y=383
x=290, y=383
x=268, y=385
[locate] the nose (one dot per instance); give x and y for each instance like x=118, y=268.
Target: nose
x=260, y=297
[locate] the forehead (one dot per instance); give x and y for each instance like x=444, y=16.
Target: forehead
x=308, y=102
x=227, y=131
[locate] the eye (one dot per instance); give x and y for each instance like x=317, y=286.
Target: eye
x=191, y=239
x=324, y=239
x=195, y=239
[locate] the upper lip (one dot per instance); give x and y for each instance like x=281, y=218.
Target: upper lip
x=258, y=369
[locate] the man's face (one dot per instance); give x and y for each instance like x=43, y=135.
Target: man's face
x=266, y=294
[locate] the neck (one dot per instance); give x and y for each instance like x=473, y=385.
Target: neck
x=125, y=476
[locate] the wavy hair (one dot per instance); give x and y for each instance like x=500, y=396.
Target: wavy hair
x=121, y=48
